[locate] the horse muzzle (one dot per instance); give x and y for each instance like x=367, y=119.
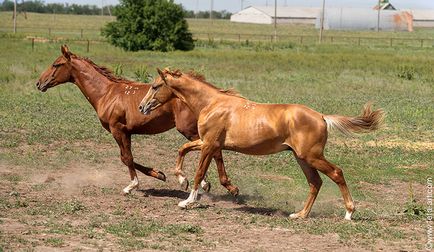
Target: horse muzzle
x=43, y=86
x=149, y=106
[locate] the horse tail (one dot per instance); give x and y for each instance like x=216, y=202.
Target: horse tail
x=368, y=121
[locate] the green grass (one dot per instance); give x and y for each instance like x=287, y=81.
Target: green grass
x=55, y=242
x=71, y=26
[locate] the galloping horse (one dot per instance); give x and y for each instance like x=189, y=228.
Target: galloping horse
x=231, y=122
x=115, y=101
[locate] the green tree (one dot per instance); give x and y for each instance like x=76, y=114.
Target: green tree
x=149, y=25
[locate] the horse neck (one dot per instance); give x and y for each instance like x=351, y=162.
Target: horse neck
x=92, y=84
x=195, y=94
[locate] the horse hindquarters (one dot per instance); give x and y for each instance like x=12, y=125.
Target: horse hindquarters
x=308, y=139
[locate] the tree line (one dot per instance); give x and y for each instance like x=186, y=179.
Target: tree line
x=60, y=8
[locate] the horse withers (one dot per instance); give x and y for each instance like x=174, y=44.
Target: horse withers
x=227, y=121
x=115, y=101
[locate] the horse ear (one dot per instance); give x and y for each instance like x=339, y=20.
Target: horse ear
x=161, y=75
x=160, y=72
x=65, y=51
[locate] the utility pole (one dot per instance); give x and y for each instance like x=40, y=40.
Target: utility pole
x=210, y=10
x=378, y=16
x=321, y=29
x=196, y=8
x=275, y=20
x=102, y=7
x=15, y=16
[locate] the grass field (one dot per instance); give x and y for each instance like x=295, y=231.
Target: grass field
x=61, y=178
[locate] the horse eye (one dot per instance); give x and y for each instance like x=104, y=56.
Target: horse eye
x=57, y=65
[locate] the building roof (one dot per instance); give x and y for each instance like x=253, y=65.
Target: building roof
x=385, y=6
x=288, y=12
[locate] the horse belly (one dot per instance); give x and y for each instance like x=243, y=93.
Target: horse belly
x=256, y=139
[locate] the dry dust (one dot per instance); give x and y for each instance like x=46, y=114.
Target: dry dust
x=227, y=225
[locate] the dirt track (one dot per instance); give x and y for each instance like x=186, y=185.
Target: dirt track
x=80, y=207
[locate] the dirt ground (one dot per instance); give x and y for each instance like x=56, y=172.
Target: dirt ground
x=80, y=208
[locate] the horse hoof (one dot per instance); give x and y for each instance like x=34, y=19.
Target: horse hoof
x=235, y=191
x=298, y=216
x=183, y=204
x=161, y=176
x=184, y=184
x=207, y=187
x=293, y=216
x=125, y=191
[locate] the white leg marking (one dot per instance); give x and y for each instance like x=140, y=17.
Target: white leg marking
x=183, y=182
x=348, y=215
x=181, y=179
x=203, y=183
x=191, y=199
x=133, y=184
x=293, y=216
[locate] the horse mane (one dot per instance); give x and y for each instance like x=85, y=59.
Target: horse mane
x=200, y=77
x=104, y=71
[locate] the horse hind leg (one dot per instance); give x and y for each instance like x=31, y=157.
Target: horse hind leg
x=335, y=174
x=315, y=182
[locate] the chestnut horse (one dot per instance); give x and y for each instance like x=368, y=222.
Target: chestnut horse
x=115, y=101
x=231, y=122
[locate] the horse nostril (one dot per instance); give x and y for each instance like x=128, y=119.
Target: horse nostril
x=37, y=84
x=140, y=107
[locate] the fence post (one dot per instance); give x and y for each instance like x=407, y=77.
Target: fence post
x=358, y=41
x=239, y=37
x=33, y=44
x=301, y=40
x=49, y=32
x=87, y=49
x=391, y=42
x=421, y=43
x=81, y=33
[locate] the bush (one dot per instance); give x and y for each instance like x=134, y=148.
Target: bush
x=157, y=25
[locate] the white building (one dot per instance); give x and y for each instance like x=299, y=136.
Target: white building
x=366, y=19
x=265, y=15
x=306, y=15
x=422, y=18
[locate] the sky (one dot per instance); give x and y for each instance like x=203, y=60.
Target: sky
x=235, y=5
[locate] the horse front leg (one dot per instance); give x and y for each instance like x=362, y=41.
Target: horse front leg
x=124, y=142
x=190, y=146
x=205, y=159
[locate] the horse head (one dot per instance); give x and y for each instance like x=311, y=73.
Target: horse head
x=159, y=93
x=59, y=72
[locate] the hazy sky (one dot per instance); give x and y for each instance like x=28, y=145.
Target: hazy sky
x=235, y=5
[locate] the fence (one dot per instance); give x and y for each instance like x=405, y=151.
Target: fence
x=90, y=36
x=311, y=39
